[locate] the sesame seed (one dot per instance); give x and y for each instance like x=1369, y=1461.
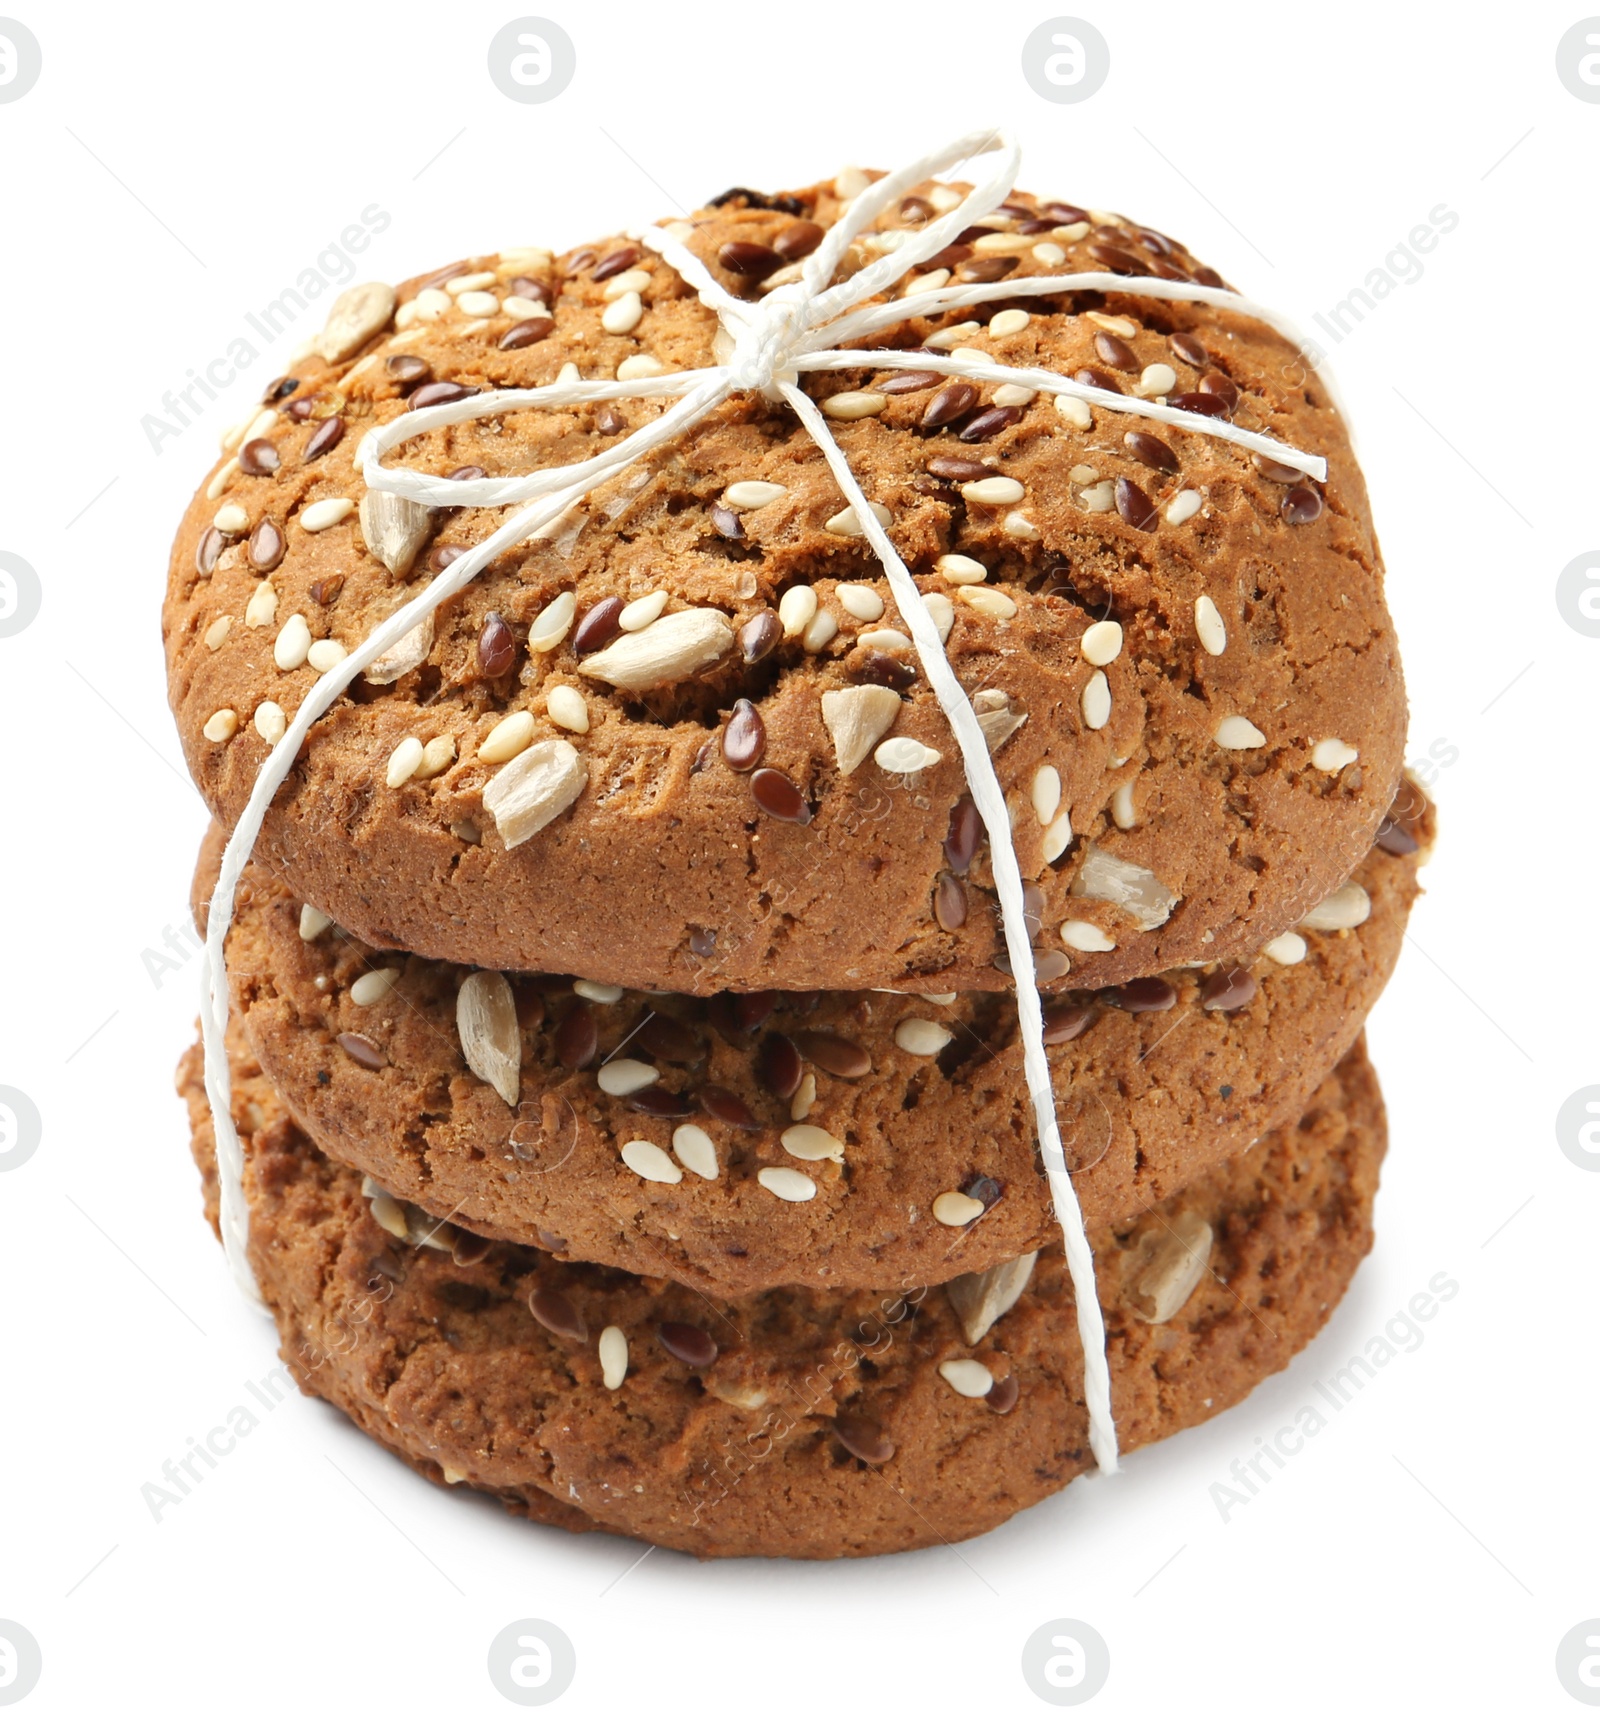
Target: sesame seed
x=640, y=365
x=623, y=1077
x=1122, y=810
x=220, y=727
x=796, y=609
x=969, y=1378
x=270, y=722
x=324, y=655
x=388, y=1213
x=788, y=1183
x=1096, y=701
x=848, y=524
x=230, y=519
x=1097, y=499
x=436, y=756
x=549, y=628
x=329, y=512
x=1047, y=252
x=1158, y=379
x=921, y=1036
x=855, y=404
x=219, y=479
x=1018, y=526
x=1101, y=642
x=650, y=1162
x=642, y=612
x=994, y=491
x=883, y=640
x=1011, y=322
x=403, y=762
x=905, y=755
x=613, y=1357
x=567, y=708
x=313, y=922
x=1209, y=626
x=293, y=643
x=800, y=1103
x=953, y=337
x=926, y=283
x=263, y=607
x=1057, y=836
x=1045, y=794
x=601, y=993
x=752, y=494
x=1112, y=324
x=1013, y=395
x=988, y=600
x=1184, y=506
x=507, y=739
x=469, y=283
x=1236, y=732
x=1086, y=937
x=819, y=631
x=859, y=600
x=1348, y=907
x=956, y=1209
x=961, y=570
x=1075, y=411
x=942, y=611
x=1287, y=949
x=1332, y=755
x=623, y=314
x=812, y=1144
x=370, y=988
x=630, y=281
x=695, y=1149
x=218, y=632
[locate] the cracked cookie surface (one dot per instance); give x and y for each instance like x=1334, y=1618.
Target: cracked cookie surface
x=794, y=1423
x=1183, y=652
x=642, y=1131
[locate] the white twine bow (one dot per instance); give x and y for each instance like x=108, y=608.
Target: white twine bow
x=796, y=328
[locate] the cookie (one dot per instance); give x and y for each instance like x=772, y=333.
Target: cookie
x=795, y=1423
x=872, y=1104
x=1180, y=652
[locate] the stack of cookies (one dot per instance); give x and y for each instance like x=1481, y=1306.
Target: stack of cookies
x=624, y=1046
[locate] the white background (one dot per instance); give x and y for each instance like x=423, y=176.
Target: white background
x=1432, y=1546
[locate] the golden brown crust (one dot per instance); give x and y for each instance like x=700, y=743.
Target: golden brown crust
x=1146, y=1100
x=665, y=872
x=444, y=1362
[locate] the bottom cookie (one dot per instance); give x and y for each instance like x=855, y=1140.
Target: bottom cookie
x=799, y=1422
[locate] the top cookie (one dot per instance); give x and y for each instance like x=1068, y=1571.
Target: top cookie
x=1180, y=652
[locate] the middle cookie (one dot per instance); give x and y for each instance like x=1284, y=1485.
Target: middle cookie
x=830, y=1140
